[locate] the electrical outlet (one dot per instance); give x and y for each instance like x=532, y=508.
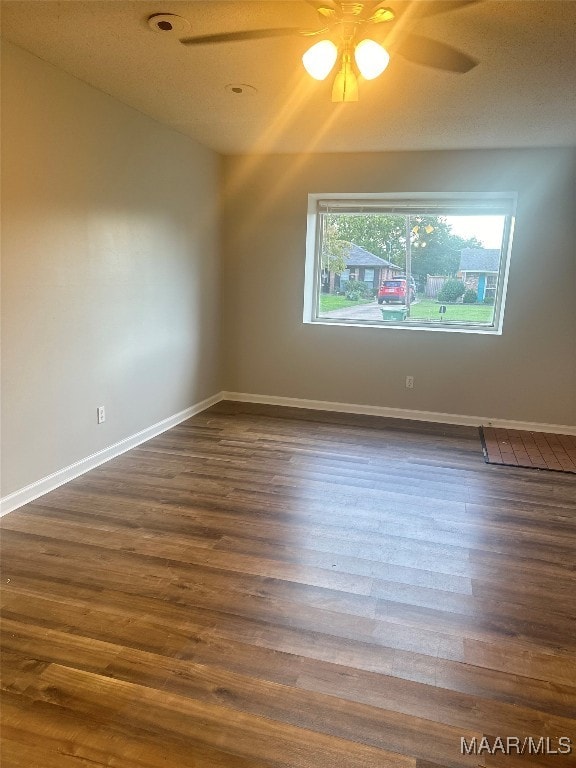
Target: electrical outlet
x=101, y=414
x=409, y=382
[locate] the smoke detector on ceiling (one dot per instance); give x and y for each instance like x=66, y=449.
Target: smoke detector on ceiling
x=168, y=24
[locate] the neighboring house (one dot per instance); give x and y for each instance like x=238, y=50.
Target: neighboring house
x=479, y=271
x=362, y=266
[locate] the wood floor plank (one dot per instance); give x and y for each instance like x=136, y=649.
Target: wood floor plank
x=276, y=571
x=193, y=553
x=160, y=712
x=263, y=587
x=36, y=734
x=197, y=637
x=201, y=589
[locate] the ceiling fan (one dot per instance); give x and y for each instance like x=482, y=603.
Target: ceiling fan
x=349, y=23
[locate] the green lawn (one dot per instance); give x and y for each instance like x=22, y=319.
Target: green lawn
x=427, y=309
x=328, y=302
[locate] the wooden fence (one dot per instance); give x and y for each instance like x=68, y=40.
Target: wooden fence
x=434, y=285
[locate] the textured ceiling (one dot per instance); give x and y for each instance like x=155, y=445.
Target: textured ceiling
x=521, y=94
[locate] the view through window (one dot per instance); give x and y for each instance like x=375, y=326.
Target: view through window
x=410, y=262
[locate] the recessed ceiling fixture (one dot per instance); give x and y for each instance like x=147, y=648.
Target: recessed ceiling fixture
x=169, y=23
x=358, y=53
x=241, y=89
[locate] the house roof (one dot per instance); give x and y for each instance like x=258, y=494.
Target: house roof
x=360, y=257
x=479, y=260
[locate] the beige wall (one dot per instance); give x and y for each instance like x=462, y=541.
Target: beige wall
x=110, y=272
x=111, y=282
x=527, y=374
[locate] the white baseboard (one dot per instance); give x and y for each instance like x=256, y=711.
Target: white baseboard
x=400, y=413
x=46, y=484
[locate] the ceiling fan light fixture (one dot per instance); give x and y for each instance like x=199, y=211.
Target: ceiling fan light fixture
x=319, y=60
x=371, y=58
x=345, y=86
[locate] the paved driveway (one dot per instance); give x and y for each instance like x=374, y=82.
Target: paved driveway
x=361, y=312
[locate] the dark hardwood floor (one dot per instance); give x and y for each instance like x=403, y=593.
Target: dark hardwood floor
x=267, y=586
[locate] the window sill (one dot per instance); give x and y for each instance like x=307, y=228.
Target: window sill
x=390, y=326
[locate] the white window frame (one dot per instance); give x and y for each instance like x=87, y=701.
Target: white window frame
x=489, y=203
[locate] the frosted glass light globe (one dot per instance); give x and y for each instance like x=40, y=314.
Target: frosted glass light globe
x=319, y=60
x=371, y=59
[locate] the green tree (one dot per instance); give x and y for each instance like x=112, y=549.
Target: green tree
x=335, y=248
x=435, y=250
x=380, y=234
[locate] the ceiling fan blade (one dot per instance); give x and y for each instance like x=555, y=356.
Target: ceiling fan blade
x=381, y=15
x=247, y=34
x=431, y=53
x=324, y=7
x=435, y=7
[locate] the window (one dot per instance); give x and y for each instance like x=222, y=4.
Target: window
x=409, y=261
